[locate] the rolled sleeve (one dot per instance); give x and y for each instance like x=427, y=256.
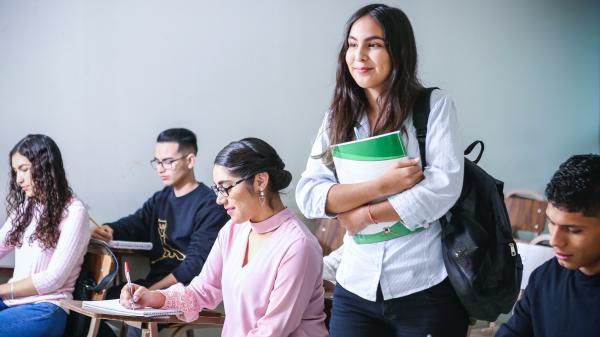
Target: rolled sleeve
x=431, y=199
x=316, y=180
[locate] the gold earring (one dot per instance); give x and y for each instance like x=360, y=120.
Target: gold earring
x=261, y=197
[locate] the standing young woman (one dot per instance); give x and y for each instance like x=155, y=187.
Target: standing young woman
x=395, y=287
x=48, y=229
x=265, y=265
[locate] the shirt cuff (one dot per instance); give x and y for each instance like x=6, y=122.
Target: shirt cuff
x=180, y=297
x=320, y=201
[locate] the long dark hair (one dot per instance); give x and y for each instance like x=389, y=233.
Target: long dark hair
x=51, y=192
x=250, y=156
x=399, y=90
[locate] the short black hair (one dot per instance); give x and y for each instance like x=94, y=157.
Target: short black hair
x=185, y=139
x=575, y=186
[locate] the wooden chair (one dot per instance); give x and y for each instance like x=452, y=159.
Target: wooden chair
x=527, y=213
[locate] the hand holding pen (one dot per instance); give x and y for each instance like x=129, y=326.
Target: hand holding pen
x=136, y=296
x=128, y=277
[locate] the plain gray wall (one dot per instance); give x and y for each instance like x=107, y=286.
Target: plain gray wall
x=103, y=78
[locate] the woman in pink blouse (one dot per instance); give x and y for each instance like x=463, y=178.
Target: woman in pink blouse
x=265, y=266
x=49, y=232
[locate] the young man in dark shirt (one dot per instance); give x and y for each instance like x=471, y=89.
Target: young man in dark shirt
x=182, y=220
x=562, y=298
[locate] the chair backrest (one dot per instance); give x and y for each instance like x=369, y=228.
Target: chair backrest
x=330, y=234
x=527, y=212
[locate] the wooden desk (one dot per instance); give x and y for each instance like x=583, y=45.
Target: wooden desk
x=149, y=325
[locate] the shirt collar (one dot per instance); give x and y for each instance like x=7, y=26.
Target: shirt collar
x=271, y=223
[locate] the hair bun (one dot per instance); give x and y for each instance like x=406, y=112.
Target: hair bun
x=281, y=179
x=280, y=164
x=249, y=156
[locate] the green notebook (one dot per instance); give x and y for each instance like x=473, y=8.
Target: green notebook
x=366, y=159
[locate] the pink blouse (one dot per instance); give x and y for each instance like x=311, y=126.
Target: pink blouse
x=278, y=293
x=52, y=271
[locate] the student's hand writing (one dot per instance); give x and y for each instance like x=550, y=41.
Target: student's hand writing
x=400, y=176
x=142, y=297
x=103, y=232
x=354, y=220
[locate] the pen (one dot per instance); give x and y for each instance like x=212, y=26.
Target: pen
x=128, y=277
x=94, y=222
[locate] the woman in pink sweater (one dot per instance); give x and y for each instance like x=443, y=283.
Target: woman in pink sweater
x=265, y=265
x=49, y=232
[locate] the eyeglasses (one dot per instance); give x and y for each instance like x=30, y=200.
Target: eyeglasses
x=166, y=164
x=224, y=191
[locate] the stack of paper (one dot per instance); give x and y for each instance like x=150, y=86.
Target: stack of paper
x=115, y=308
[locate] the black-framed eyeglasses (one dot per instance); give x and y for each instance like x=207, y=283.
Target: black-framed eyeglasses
x=166, y=164
x=224, y=191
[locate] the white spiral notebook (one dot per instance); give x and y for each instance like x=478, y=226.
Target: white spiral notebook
x=114, y=307
x=134, y=245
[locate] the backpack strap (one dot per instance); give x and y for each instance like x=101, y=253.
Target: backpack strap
x=420, y=115
x=470, y=148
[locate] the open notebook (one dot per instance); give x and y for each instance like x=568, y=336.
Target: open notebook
x=114, y=307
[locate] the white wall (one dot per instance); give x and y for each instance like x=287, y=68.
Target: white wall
x=103, y=78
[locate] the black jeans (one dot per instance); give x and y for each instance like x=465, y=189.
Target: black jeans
x=434, y=312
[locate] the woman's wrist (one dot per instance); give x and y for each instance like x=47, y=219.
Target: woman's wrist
x=378, y=186
x=370, y=215
x=158, y=299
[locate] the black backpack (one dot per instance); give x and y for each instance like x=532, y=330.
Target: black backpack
x=479, y=252
x=77, y=324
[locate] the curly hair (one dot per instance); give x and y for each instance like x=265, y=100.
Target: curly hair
x=51, y=193
x=575, y=186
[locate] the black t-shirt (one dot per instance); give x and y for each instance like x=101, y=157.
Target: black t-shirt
x=181, y=229
x=557, y=302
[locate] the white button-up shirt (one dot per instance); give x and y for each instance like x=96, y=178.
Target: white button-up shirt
x=410, y=263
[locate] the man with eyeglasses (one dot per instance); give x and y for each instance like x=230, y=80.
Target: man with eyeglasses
x=182, y=220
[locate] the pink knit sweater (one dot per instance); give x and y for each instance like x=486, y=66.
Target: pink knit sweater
x=53, y=271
